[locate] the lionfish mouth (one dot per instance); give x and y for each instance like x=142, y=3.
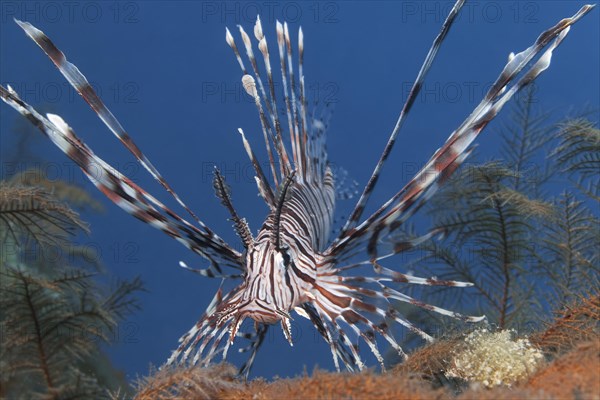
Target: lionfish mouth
x=260, y=312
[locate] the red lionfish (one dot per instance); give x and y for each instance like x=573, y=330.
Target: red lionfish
x=291, y=265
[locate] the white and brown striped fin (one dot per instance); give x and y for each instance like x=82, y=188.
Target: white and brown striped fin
x=206, y=339
x=207, y=333
x=305, y=136
x=293, y=133
x=270, y=99
x=338, y=350
x=270, y=125
x=264, y=188
x=448, y=158
x=209, y=272
x=298, y=134
x=414, y=92
x=250, y=87
x=303, y=110
x=85, y=89
x=364, y=309
x=124, y=192
x=257, y=340
x=388, y=247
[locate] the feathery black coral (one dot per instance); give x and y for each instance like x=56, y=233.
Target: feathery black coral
x=53, y=316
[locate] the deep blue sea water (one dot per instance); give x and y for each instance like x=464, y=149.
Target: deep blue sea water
x=166, y=72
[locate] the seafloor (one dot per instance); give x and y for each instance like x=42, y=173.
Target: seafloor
x=571, y=370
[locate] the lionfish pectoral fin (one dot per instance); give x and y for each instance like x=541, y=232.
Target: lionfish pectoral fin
x=286, y=326
x=116, y=186
x=394, y=212
x=414, y=92
x=258, y=338
x=233, y=330
x=80, y=83
x=235, y=326
x=300, y=311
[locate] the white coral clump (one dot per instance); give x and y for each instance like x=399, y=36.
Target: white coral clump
x=494, y=358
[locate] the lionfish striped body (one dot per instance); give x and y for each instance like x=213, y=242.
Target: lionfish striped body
x=291, y=265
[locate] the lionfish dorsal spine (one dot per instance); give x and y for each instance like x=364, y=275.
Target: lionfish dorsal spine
x=294, y=100
x=240, y=225
x=283, y=195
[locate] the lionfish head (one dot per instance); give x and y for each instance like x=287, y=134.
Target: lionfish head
x=273, y=286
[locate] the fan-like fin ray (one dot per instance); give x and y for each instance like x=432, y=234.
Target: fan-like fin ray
x=85, y=89
x=448, y=158
x=414, y=92
x=123, y=191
